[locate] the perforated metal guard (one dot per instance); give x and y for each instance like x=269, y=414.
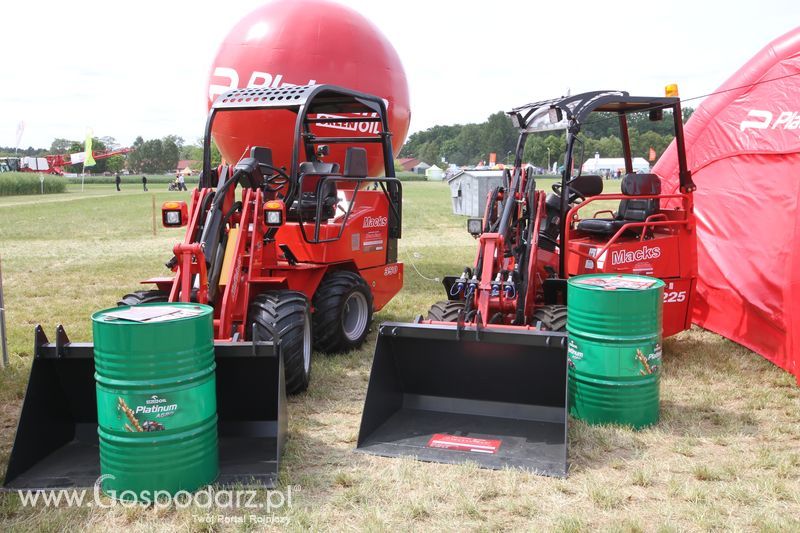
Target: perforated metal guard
x=264, y=97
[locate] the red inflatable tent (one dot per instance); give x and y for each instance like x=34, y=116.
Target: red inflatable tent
x=743, y=148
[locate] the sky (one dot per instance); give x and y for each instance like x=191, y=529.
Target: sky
x=141, y=68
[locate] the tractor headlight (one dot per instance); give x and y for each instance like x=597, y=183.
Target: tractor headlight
x=274, y=212
x=174, y=214
x=475, y=226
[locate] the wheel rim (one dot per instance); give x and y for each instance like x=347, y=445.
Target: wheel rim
x=354, y=316
x=307, y=344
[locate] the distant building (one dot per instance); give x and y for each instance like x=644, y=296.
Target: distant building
x=408, y=163
x=470, y=188
x=420, y=167
x=185, y=166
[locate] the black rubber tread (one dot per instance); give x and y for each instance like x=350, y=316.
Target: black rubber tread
x=329, y=302
x=280, y=316
x=552, y=317
x=143, y=297
x=445, y=311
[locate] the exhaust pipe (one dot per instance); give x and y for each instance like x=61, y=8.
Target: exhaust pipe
x=446, y=393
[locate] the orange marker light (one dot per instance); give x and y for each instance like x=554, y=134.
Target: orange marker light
x=671, y=90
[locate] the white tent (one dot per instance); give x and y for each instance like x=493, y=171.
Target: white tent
x=434, y=173
x=610, y=165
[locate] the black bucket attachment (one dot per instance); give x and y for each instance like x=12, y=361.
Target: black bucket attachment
x=494, y=396
x=56, y=445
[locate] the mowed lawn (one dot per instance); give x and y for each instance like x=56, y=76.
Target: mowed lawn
x=726, y=454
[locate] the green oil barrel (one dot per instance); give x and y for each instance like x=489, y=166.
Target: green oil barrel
x=614, y=348
x=156, y=398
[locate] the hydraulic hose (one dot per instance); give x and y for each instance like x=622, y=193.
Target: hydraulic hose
x=214, y=219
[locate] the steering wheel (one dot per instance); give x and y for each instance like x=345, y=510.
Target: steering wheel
x=574, y=194
x=276, y=182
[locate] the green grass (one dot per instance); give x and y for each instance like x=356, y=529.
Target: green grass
x=20, y=183
x=717, y=460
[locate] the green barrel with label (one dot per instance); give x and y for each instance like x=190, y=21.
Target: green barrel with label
x=614, y=325
x=156, y=398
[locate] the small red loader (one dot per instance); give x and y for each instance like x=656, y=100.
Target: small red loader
x=290, y=254
x=484, y=377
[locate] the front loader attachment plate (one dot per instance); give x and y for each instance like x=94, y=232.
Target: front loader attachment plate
x=56, y=445
x=494, y=396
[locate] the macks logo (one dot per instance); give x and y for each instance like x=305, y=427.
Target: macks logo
x=646, y=253
x=789, y=120
x=375, y=222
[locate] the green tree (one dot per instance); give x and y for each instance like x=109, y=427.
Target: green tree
x=498, y=135
x=175, y=139
x=97, y=146
x=115, y=163
x=151, y=157
x=170, y=153
x=135, y=156
x=61, y=146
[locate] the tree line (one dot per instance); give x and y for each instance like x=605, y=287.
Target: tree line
x=151, y=156
x=468, y=144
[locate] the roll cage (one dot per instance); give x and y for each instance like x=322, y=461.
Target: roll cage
x=305, y=100
x=310, y=103
x=572, y=112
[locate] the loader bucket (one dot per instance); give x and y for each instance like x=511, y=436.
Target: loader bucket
x=56, y=445
x=494, y=396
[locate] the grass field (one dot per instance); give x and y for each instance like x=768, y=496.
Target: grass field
x=22, y=183
x=726, y=455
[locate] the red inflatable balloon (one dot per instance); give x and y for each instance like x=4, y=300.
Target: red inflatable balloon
x=298, y=42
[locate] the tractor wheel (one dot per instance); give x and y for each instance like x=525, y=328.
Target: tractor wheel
x=144, y=297
x=283, y=316
x=552, y=317
x=446, y=311
x=342, y=312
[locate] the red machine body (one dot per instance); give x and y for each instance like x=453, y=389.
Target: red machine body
x=490, y=364
x=295, y=252
x=305, y=42
x=665, y=248
x=528, y=248
x=256, y=267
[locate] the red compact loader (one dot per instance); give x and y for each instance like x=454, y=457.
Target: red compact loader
x=484, y=378
x=289, y=254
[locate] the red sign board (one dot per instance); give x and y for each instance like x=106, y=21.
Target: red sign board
x=464, y=444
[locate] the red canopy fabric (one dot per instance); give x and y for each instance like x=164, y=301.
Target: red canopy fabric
x=743, y=148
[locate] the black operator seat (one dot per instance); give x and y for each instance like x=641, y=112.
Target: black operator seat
x=355, y=162
x=631, y=209
x=311, y=171
x=264, y=157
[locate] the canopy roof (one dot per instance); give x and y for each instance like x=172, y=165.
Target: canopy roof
x=743, y=149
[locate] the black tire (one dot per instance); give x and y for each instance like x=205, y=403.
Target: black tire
x=445, y=311
x=551, y=317
x=143, y=297
x=284, y=316
x=342, y=312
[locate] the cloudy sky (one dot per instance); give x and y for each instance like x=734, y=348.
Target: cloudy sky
x=141, y=68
